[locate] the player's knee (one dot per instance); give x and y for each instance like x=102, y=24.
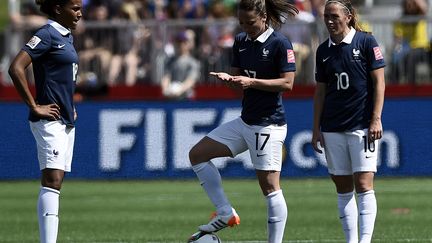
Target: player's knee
x=194, y=156
x=53, y=182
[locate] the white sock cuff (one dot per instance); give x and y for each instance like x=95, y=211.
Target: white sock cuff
x=346, y=195
x=273, y=194
x=198, y=167
x=49, y=189
x=366, y=193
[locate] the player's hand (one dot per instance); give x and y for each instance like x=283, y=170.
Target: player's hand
x=228, y=79
x=222, y=76
x=243, y=81
x=49, y=112
x=317, y=138
x=375, y=130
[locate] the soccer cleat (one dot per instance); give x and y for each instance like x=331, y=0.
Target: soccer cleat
x=219, y=222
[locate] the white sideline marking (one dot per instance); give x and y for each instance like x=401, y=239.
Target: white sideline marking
x=286, y=241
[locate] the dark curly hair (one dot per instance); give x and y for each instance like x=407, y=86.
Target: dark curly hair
x=47, y=6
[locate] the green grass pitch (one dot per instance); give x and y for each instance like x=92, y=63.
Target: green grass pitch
x=169, y=211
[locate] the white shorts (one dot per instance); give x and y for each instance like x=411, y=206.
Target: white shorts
x=264, y=143
x=349, y=152
x=55, y=142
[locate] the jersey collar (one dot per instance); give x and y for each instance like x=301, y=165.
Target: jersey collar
x=264, y=36
x=348, y=38
x=62, y=30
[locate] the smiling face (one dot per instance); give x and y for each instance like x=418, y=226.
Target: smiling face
x=252, y=23
x=337, y=21
x=69, y=14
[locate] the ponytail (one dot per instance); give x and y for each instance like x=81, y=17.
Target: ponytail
x=277, y=11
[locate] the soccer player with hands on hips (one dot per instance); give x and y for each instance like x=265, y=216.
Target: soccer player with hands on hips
x=52, y=112
x=263, y=67
x=348, y=103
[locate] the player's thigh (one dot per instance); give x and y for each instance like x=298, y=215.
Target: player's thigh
x=364, y=155
x=225, y=140
x=207, y=149
x=54, y=144
x=337, y=153
x=265, y=146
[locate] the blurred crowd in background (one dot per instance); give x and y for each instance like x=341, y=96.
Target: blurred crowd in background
x=176, y=43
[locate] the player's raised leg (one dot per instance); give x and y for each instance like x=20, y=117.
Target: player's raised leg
x=211, y=181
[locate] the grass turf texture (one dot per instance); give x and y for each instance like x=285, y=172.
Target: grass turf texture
x=170, y=211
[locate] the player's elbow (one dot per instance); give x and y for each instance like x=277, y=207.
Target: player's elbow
x=287, y=86
x=13, y=70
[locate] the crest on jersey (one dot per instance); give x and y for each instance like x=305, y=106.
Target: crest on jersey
x=356, y=52
x=377, y=53
x=290, y=56
x=265, y=52
x=33, y=42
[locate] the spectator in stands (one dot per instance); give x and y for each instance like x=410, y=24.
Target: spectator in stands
x=216, y=41
x=94, y=50
x=127, y=46
x=182, y=70
x=410, y=56
x=187, y=9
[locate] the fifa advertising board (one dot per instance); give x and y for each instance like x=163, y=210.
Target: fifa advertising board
x=151, y=140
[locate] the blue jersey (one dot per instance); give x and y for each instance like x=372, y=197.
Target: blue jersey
x=345, y=68
x=264, y=58
x=55, y=67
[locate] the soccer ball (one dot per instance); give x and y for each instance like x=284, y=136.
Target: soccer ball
x=204, y=237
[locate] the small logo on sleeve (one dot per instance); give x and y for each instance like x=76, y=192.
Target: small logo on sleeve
x=55, y=152
x=377, y=53
x=290, y=56
x=33, y=42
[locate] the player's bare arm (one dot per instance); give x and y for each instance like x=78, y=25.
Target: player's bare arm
x=17, y=73
x=284, y=83
x=375, y=127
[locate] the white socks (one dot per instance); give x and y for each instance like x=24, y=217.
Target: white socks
x=211, y=181
x=277, y=214
x=367, y=213
x=48, y=207
x=348, y=216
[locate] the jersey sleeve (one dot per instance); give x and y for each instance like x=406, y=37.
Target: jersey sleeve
x=39, y=44
x=319, y=68
x=287, y=57
x=235, y=54
x=374, y=54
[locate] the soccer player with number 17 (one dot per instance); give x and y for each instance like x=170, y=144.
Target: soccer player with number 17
x=263, y=67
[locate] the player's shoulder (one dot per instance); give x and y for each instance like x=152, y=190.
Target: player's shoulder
x=242, y=36
x=364, y=36
x=44, y=31
x=323, y=46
